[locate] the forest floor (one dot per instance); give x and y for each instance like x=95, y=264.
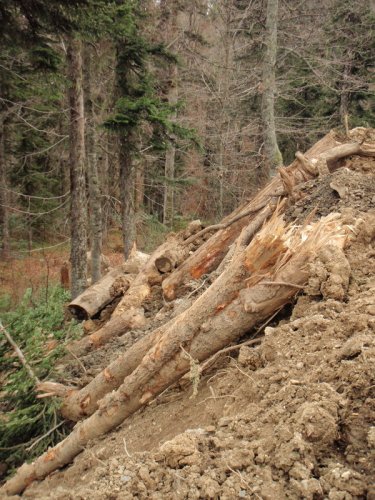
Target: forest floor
x=293, y=417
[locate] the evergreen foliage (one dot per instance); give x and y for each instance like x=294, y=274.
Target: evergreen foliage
x=37, y=326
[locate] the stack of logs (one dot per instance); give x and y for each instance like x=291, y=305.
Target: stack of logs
x=256, y=264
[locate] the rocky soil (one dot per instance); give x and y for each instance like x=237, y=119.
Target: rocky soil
x=292, y=417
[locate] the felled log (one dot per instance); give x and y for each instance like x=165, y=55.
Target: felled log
x=80, y=404
x=129, y=313
x=320, y=159
x=97, y=296
x=84, y=402
x=132, y=319
x=212, y=252
x=173, y=251
x=262, y=276
x=101, y=293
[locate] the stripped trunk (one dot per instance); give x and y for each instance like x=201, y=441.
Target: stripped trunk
x=95, y=214
x=78, y=212
x=273, y=157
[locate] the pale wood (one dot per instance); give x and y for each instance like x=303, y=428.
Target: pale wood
x=96, y=297
x=212, y=252
x=131, y=319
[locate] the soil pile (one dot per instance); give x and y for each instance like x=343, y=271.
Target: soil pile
x=290, y=418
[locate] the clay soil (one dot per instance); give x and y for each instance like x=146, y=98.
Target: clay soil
x=292, y=417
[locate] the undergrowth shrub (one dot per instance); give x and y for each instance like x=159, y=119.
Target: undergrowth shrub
x=38, y=328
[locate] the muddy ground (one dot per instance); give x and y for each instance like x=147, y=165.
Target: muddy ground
x=292, y=417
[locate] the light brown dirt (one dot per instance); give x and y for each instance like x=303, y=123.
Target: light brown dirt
x=293, y=418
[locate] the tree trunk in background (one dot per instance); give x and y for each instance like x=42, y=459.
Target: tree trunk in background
x=78, y=255
x=169, y=170
x=272, y=153
x=95, y=208
x=140, y=184
x=127, y=189
x=4, y=220
x=345, y=90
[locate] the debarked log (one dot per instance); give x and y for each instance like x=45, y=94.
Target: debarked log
x=101, y=293
x=261, y=278
x=80, y=404
x=96, y=297
x=212, y=252
x=129, y=313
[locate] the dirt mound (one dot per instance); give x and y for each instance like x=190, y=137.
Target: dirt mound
x=351, y=186
x=291, y=418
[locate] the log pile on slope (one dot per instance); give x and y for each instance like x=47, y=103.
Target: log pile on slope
x=267, y=266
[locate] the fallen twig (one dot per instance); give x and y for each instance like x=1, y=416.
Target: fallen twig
x=19, y=353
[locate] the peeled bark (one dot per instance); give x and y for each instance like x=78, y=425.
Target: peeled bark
x=219, y=316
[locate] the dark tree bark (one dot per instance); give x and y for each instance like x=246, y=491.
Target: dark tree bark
x=95, y=208
x=127, y=189
x=4, y=220
x=169, y=168
x=78, y=256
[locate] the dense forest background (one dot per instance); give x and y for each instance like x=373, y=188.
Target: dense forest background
x=141, y=115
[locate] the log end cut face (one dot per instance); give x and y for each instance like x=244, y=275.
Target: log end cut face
x=78, y=312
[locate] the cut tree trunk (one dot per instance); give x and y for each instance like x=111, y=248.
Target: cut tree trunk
x=221, y=315
x=129, y=312
x=95, y=298
x=212, y=252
